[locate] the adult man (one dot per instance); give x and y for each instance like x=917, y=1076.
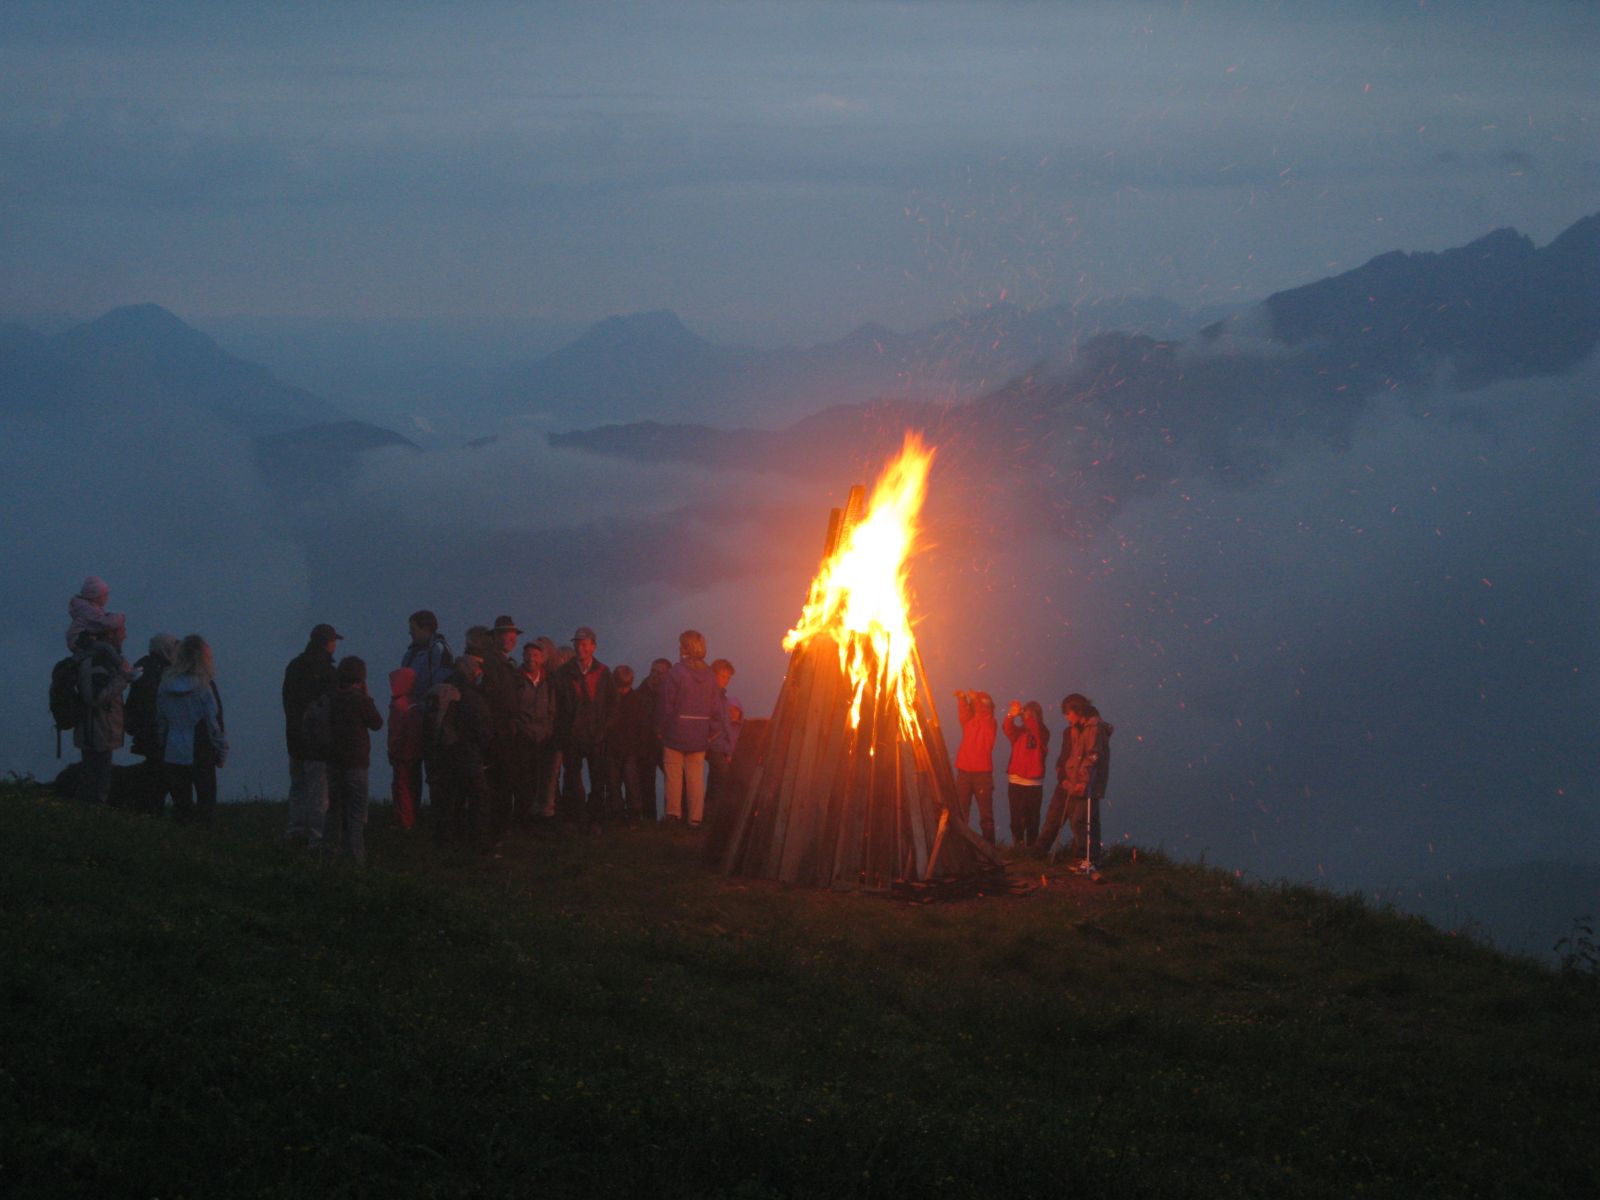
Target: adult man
x=621, y=780
x=640, y=744
x=975, y=759
x=536, y=725
x=309, y=675
x=464, y=730
x=1081, y=774
x=428, y=655
x=501, y=688
x=103, y=675
x=586, y=704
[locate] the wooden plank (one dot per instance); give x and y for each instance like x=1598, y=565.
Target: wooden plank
x=927, y=715
x=830, y=544
x=850, y=856
x=825, y=725
x=938, y=844
x=911, y=803
x=854, y=509
x=895, y=768
x=885, y=766
x=831, y=795
x=739, y=837
x=852, y=829
x=820, y=660
x=763, y=814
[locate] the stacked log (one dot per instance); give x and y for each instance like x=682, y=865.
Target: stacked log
x=835, y=805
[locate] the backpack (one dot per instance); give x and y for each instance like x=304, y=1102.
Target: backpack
x=67, y=708
x=439, y=718
x=316, y=727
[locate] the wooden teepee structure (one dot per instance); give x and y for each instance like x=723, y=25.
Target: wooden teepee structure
x=839, y=801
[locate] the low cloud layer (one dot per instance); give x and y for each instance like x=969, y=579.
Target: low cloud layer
x=1373, y=662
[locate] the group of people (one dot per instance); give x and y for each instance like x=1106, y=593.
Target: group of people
x=167, y=704
x=1083, y=768
x=505, y=736
x=501, y=736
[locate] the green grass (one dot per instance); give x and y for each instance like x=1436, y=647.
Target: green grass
x=204, y=1013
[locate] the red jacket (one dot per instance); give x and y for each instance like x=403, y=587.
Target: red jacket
x=978, y=731
x=1030, y=747
x=405, y=717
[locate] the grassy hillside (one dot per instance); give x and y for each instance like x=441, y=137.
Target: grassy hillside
x=204, y=1013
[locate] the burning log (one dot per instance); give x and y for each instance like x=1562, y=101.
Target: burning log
x=851, y=783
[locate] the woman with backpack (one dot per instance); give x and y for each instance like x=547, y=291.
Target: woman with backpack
x=189, y=719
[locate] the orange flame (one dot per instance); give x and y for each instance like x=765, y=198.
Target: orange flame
x=859, y=595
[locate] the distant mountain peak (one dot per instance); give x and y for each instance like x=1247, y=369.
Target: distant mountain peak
x=657, y=326
x=1501, y=241
x=140, y=318
x=1498, y=307
x=143, y=324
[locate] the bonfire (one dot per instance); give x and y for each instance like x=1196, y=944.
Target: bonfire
x=850, y=784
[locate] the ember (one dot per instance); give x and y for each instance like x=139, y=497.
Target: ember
x=853, y=783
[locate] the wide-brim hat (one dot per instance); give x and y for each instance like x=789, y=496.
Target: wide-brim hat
x=503, y=623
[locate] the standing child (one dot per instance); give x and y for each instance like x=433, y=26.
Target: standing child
x=88, y=611
x=975, y=759
x=405, y=745
x=1030, y=751
x=719, y=757
x=353, y=716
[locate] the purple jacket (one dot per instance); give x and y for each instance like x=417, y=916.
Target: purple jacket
x=689, y=712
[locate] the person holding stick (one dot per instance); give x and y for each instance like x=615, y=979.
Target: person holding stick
x=1081, y=774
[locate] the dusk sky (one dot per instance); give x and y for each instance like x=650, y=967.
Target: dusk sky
x=772, y=172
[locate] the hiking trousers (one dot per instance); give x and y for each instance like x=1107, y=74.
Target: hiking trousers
x=308, y=800
x=977, y=785
x=685, y=769
x=1024, y=800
